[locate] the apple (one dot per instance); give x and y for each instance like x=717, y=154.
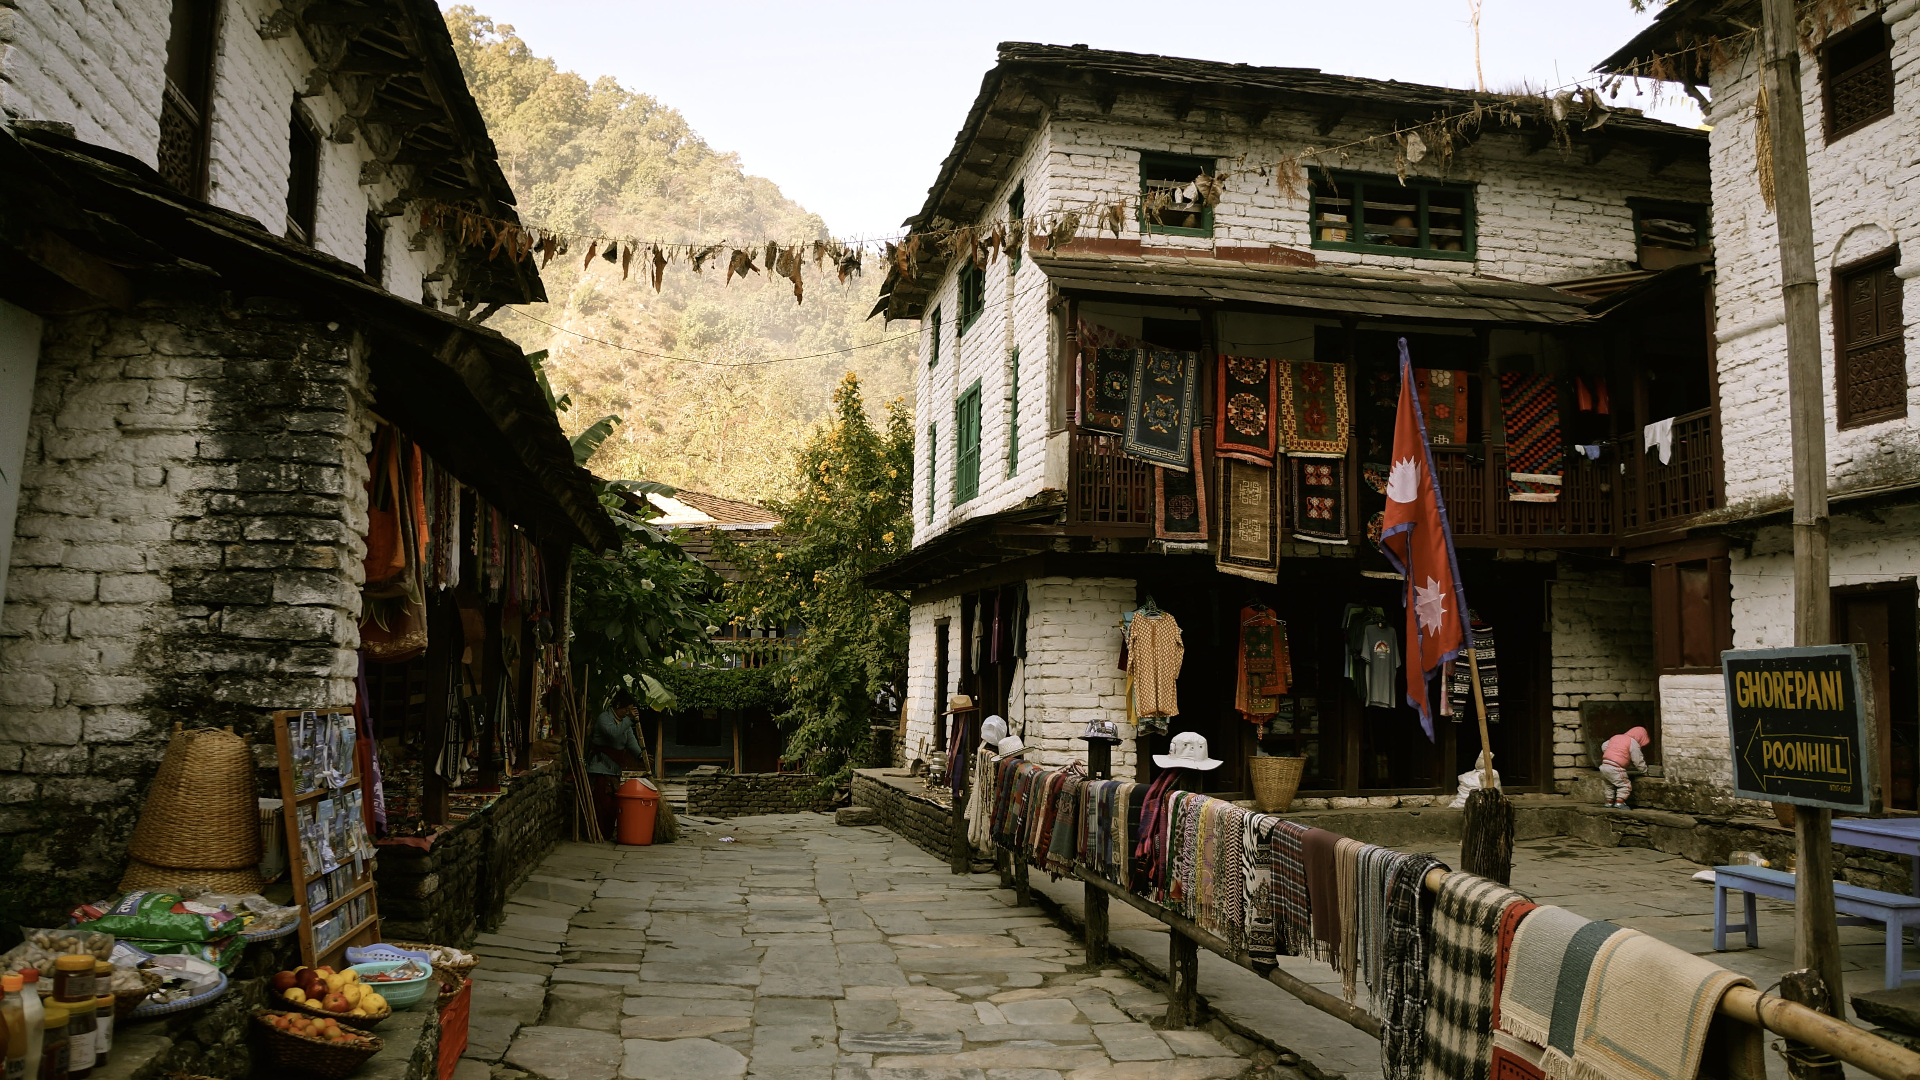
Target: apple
x=337, y=1003
x=285, y=980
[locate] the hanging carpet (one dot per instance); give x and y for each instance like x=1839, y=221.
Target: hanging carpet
x=1320, y=500
x=1313, y=408
x=1180, y=501
x=1249, y=521
x=1160, y=410
x=1246, y=408
x=1106, y=377
x=1443, y=401
x=1531, y=408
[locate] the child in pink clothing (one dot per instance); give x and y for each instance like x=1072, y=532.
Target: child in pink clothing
x=1619, y=756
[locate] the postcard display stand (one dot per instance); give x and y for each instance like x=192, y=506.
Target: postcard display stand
x=327, y=843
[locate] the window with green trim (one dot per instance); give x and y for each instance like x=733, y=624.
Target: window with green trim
x=1361, y=212
x=973, y=295
x=933, y=467
x=1016, y=210
x=966, y=445
x=1170, y=200
x=1013, y=411
x=933, y=341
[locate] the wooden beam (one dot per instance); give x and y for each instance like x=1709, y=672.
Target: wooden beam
x=343, y=15
x=1328, y=119
x=79, y=268
x=1598, y=149
x=1183, y=105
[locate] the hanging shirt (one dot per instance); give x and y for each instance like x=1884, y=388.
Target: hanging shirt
x=1155, y=650
x=1380, y=646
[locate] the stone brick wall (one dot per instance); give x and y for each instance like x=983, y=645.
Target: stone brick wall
x=918, y=742
x=458, y=887
x=188, y=548
x=905, y=809
x=731, y=795
x=1864, y=200
x=1602, y=651
x=1073, y=667
x=101, y=69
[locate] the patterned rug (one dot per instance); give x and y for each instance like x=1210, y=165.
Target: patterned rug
x=1249, y=521
x=1313, y=408
x=1106, y=379
x=1531, y=407
x=1180, y=501
x=1443, y=401
x=1246, y=408
x=1160, y=407
x=1320, y=500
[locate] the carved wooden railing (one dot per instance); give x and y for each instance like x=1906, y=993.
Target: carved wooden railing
x=1655, y=496
x=1106, y=488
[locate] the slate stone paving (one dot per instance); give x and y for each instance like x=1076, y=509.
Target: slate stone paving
x=802, y=950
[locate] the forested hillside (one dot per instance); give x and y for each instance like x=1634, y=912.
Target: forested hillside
x=598, y=158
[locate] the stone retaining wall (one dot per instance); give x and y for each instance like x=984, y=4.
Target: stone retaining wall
x=731, y=795
x=905, y=808
x=449, y=892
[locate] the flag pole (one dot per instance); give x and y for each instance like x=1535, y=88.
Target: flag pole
x=1486, y=828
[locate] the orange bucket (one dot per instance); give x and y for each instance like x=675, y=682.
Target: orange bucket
x=639, y=801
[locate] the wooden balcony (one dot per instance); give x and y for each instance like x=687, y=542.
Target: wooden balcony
x=1602, y=503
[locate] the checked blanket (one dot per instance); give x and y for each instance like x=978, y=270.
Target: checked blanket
x=1458, y=1038
x=1400, y=996
x=1530, y=405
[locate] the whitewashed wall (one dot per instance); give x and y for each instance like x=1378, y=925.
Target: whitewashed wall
x=1602, y=651
x=101, y=68
x=1864, y=199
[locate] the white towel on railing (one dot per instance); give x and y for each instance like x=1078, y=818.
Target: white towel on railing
x=1660, y=434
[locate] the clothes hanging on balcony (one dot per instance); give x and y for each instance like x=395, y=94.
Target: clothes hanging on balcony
x=1319, y=500
x=1314, y=417
x=1659, y=435
x=1155, y=650
x=1372, y=654
x=1530, y=407
x=1159, y=425
x=1460, y=684
x=1249, y=521
x=1595, y=400
x=1246, y=408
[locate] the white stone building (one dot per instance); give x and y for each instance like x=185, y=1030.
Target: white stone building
x=1860, y=88
x=1472, y=213
x=217, y=277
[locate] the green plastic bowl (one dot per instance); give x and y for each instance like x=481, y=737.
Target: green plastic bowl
x=400, y=995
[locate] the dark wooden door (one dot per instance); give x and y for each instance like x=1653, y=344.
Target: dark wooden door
x=1882, y=617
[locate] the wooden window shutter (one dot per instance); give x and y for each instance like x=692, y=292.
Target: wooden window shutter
x=1720, y=593
x=1666, y=616
x=1870, y=353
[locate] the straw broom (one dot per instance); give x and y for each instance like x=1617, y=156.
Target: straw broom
x=1486, y=828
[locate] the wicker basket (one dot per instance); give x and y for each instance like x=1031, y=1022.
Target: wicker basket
x=1275, y=779
x=311, y=1009
x=314, y=1057
x=125, y=1001
x=203, y=810
x=458, y=971
x=140, y=875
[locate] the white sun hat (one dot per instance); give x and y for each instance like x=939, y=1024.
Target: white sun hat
x=1187, y=751
x=992, y=730
x=1011, y=745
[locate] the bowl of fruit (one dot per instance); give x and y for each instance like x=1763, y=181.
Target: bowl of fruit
x=322, y=991
x=403, y=983
x=314, y=1046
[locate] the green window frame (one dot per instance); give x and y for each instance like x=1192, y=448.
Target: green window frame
x=973, y=296
x=1013, y=411
x=1419, y=217
x=966, y=445
x=933, y=343
x=1016, y=210
x=1169, y=173
x=933, y=467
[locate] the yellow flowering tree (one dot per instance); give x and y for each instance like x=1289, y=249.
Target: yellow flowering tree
x=851, y=512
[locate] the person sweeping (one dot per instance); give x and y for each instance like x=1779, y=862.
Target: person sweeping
x=612, y=734
x=1620, y=756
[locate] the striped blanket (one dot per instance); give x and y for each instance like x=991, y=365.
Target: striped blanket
x=1458, y=1034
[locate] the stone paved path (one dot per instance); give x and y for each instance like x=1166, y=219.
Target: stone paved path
x=787, y=947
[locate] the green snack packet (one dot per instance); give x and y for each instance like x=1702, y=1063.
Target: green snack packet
x=154, y=916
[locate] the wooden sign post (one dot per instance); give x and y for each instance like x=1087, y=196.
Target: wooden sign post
x=323, y=793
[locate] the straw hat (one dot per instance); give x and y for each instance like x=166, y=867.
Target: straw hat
x=1188, y=750
x=960, y=703
x=203, y=810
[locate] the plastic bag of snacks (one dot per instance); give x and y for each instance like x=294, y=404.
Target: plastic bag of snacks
x=155, y=916
x=40, y=948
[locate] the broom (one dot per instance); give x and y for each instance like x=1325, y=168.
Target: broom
x=666, y=827
x=1486, y=827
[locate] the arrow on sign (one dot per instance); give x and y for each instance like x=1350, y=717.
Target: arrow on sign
x=1747, y=753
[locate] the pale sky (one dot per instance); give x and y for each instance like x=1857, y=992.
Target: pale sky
x=851, y=106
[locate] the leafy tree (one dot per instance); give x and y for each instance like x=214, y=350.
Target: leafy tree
x=851, y=512
x=636, y=611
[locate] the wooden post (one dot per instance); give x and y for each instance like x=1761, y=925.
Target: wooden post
x=1805, y=986
x=1183, y=975
x=1022, y=891
x=1099, y=767
x=1817, y=938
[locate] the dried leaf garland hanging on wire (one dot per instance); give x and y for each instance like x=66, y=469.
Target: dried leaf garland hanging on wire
x=626, y=261
x=701, y=256
x=591, y=249
x=1763, y=145
x=659, y=266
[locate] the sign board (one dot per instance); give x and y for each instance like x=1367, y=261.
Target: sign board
x=1801, y=725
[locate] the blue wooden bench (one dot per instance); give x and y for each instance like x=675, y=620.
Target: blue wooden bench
x=1856, y=907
